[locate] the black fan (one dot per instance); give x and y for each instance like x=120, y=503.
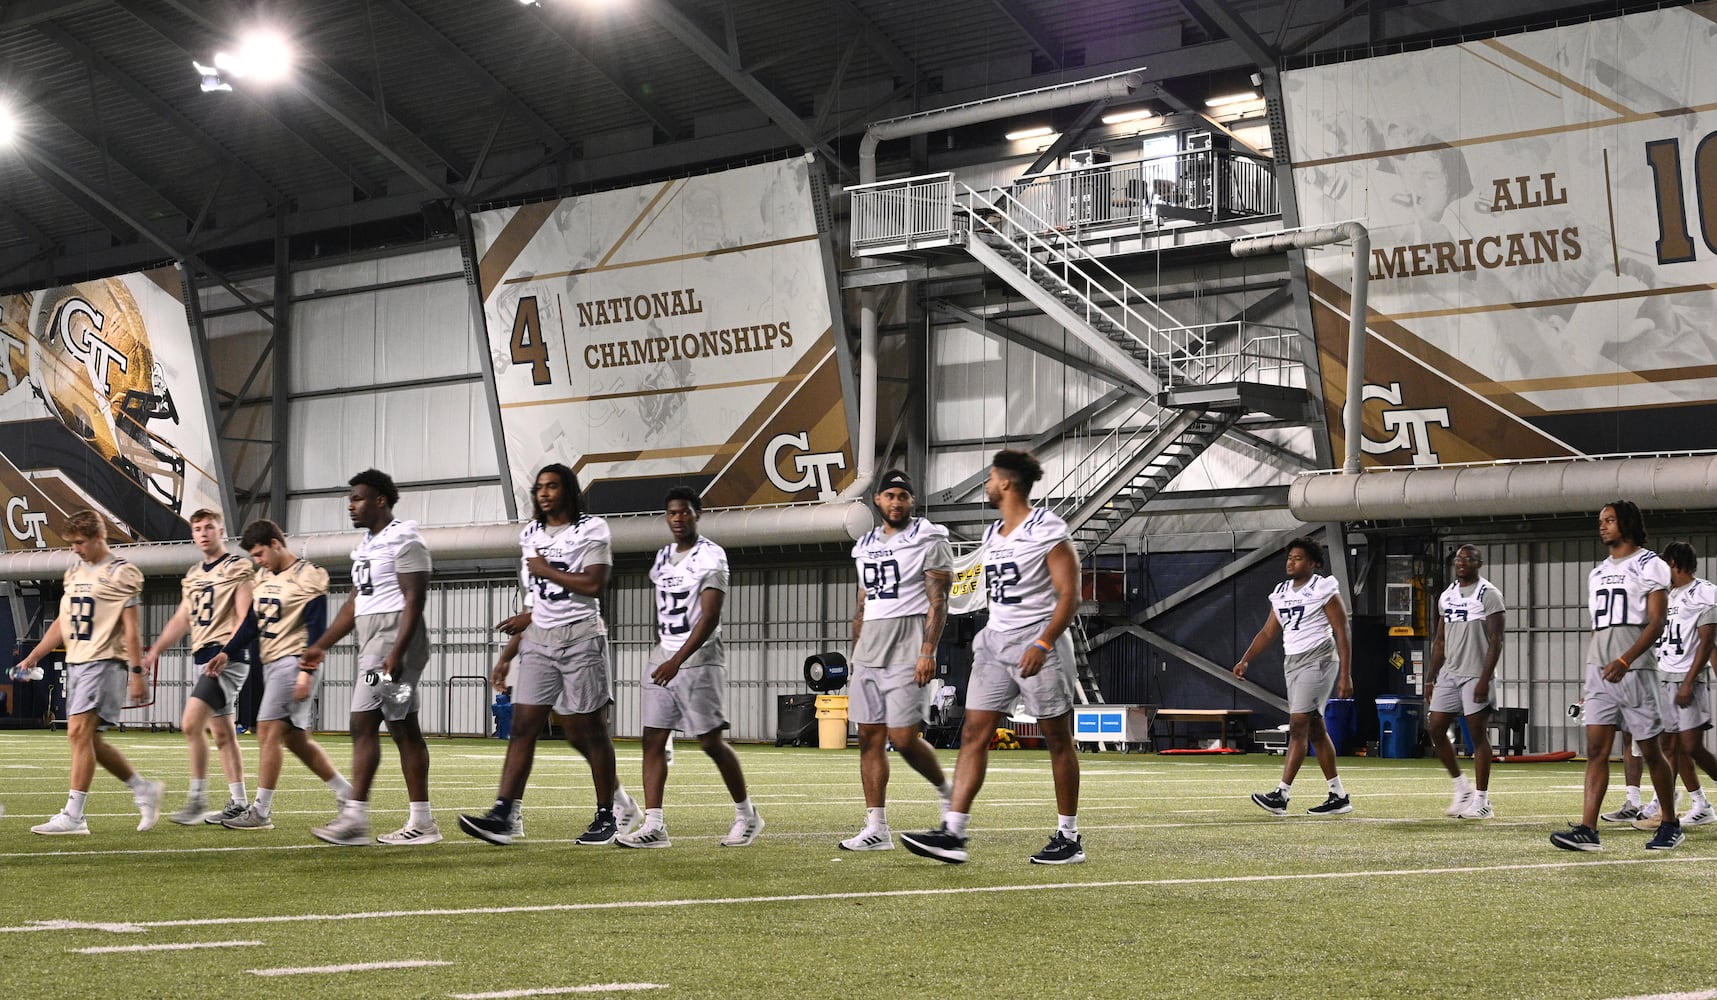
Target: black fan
x=825, y=672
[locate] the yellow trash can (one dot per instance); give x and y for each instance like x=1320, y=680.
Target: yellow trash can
x=832, y=722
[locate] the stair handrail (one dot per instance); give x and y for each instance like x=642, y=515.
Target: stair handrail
x=1089, y=468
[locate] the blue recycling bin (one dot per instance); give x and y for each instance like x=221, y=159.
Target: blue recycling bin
x=503, y=710
x=1399, y=722
x=1341, y=721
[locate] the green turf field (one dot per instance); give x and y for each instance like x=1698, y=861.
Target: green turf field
x=1190, y=889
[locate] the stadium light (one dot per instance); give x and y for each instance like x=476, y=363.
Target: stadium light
x=1133, y=115
x=264, y=56
x=1036, y=132
x=1242, y=98
x=8, y=125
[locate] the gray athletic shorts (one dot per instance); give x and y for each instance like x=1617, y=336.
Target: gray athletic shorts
x=694, y=702
x=279, y=678
x=996, y=686
x=1696, y=717
x=219, y=693
x=571, y=675
x=888, y=696
x=1455, y=695
x=97, y=686
x=1633, y=704
x=376, y=635
x=1310, y=677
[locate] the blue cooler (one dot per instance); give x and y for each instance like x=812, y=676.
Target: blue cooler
x=503, y=709
x=1399, y=722
x=1341, y=720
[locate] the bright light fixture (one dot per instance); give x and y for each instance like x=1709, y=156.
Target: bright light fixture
x=1037, y=132
x=8, y=126
x=1242, y=98
x=530, y=3
x=212, y=80
x=1135, y=115
x=264, y=55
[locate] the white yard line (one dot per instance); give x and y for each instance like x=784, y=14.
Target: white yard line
x=314, y=970
x=184, y=946
x=556, y=990
x=1701, y=995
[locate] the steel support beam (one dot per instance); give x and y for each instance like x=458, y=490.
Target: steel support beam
x=1033, y=29
x=1064, y=142
x=881, y=44
x=1235, y=27
x=1202, y=663
x=1346, y=14
x=1004, y=332
x=280, y=393
x=480, y=330
x=211, y=400
x=116, y=159
x=26, y=13
x=957, y=492
x=616, y=75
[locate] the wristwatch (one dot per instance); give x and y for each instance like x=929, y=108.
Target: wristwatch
x=136, y=669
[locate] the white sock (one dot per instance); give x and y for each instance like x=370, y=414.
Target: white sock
x=956, y=822
x=1284, y=789
x=653, y=820
x=1699, y=799
x=1068, y=825
x=1481, y=796
x=199, y=788
x=236, y=789
x=1633, y=796
x=420, y=815
x=338, y=784
x=1335, y=786
x=946, y=789
x=264, y=800
x=876, y=819
x=1462, y=785
x=743, y=809
x=74, y=804
x=358, y=808
x=137, y=782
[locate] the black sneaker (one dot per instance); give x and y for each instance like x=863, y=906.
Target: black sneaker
x=941, y=844
x=601, y=832
x=1577, y=838
x=1667, y=838
x=1271, y=802
x=491, y=826
x=1061, y=851
x=1335, y=805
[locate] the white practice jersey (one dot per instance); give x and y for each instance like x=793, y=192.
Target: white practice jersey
x=1305, y=624
x=1618, y=589
x=377, y=562
x=891, y=568
x=1464, y=615
x=570, y=548
x=1690, y=608
x=680, y=585
x=1016, y=570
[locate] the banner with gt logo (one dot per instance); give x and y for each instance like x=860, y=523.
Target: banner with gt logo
x=672, y=333
x=101, y=406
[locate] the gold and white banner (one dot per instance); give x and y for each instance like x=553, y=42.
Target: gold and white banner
x=101, y=407
x=671, y=333
x=1543, y=217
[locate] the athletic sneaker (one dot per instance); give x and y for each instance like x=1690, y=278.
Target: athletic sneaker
x=1463, y=801
x=148, y=802
x=940, y=844
x=1699, y=817
x=250, y=819
x=346, y=830
x=871, y=838
x=627, y=815
x=1577, y=838
x=232, y=810
x=601, y=831
x=1667, y=838
x=1652, y=810
x=744, y=830
x=1335, y=805
x=1271, y=802
x=60, y=825
x=1480, y=809
x=648, y=837
x=409, y=835
x=1061, y=851
x=1648, y=825
x=195, y=808
x=491, y=826
x=1626, y=814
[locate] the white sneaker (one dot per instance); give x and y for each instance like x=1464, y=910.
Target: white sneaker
x=1652, y=810
x=1479, y=809
x=745, y=830
x=871, y=838
x=60, y=825
x=1462, y=801
x=345, y=830
x=195, y=808
x=148, y=803
x=648, y=837
x=627, y=815
x=1699, y=817
x=413, y=835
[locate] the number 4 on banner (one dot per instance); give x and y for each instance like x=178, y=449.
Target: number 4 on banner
x=528, y=345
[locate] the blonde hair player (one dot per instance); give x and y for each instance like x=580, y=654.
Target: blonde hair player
x=215, y=598
x=99, y=624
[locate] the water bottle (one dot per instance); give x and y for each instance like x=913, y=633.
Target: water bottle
x=390, y=691
x=27, y=673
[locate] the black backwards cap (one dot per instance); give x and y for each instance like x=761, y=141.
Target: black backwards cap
x=895, y=479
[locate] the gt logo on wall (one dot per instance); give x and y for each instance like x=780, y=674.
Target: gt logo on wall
x=1543, y=217
x=100, y=407
x=665, y=334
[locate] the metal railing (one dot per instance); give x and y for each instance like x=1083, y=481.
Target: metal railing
x=1107, y=454
x=1265, y=353
x=903, y=214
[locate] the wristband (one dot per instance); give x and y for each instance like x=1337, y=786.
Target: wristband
x=306, y=670
x=1046, y=647
x=134, y=668
x=1624, y=662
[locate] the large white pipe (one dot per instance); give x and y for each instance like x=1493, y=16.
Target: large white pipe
x=497, y=545
x=1301, y=239
x=1563, y=486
